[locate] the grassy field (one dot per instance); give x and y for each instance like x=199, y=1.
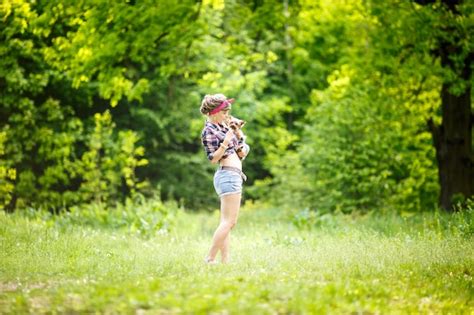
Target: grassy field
x=280, y=264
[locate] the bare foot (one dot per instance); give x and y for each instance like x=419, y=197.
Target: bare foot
x=209, y=261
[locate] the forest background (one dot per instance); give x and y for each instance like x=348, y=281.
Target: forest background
x=344, y=100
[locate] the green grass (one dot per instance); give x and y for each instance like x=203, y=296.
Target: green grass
x=337, y=264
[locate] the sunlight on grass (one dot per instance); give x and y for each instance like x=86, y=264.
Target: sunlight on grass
x=347, y=265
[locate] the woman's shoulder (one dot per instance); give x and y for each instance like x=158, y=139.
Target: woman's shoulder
x=206, y=130
x=209, y=128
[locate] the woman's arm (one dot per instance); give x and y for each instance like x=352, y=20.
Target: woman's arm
x=218, y=153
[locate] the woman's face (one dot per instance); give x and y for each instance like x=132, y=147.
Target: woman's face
x=222, y=116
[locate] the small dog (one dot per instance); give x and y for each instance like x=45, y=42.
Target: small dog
x=235, y=123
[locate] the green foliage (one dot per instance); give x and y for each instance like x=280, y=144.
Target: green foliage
x=60, y=160
x=41, y=142
x=138, y=216
x=307, y=219
x=360, y=151
x=146, y=217
x=336, y=95
x=391, y=224
x=105, y=171
x=60, y=60
x=108, y=166
x=365, y=144
x=7, y=176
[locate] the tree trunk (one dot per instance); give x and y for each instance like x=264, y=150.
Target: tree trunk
x=453, y=139
x=453, y=147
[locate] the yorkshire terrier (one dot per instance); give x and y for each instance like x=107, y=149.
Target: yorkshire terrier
x=236, y=125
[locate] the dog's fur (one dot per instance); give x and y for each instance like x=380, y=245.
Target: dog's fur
x=235, y=123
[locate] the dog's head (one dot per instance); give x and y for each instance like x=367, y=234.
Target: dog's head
x=236, y=123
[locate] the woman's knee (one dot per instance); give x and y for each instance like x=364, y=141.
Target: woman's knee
x=229, y=223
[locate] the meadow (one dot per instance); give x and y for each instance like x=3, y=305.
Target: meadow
x=282, y=262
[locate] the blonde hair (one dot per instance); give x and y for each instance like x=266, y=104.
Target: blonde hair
x=209, y=102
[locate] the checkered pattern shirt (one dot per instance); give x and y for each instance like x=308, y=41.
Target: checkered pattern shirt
x=213, y=135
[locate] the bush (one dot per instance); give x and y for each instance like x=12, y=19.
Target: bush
x=146, y=217
x=439, y=223
x=360, y=151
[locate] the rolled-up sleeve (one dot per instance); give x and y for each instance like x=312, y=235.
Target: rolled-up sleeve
x=210, y=143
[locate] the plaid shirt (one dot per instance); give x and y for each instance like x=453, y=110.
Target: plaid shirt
x=213, y=135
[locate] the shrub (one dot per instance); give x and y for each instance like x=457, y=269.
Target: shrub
x=360, y=150
x=145, y=217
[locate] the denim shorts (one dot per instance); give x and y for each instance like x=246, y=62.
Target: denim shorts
x=227, y=182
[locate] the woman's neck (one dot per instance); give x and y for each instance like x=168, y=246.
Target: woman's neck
x=214, y=121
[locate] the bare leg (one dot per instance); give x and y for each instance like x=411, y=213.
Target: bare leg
x=230, y=206
x=225, y=250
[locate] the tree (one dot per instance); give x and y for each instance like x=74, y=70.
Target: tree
x=453, y=137
x=46, y=115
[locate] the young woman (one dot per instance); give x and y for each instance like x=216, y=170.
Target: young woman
x=227, y=147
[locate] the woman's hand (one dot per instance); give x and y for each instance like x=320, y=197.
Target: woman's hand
x=228, y=137
x=243, y=151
